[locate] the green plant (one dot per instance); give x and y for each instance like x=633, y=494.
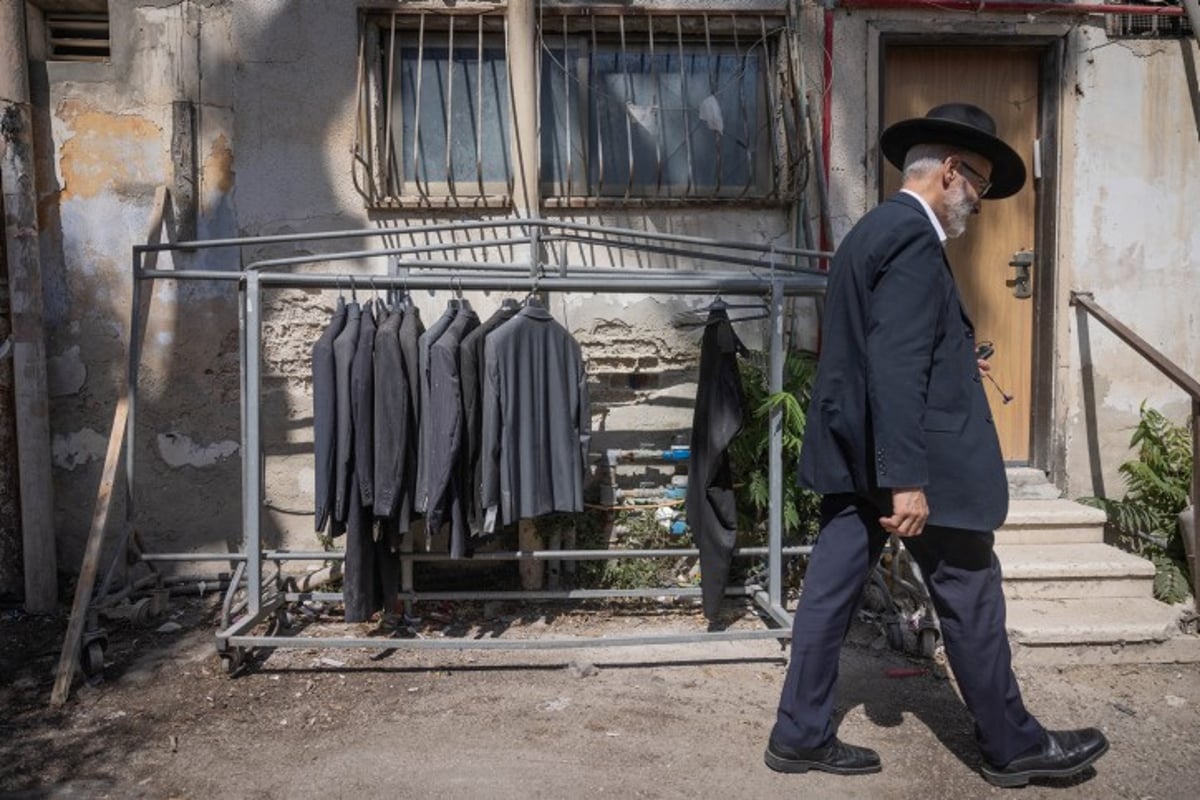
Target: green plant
x=750, y=450
x=1157, y=490
x=638, y=530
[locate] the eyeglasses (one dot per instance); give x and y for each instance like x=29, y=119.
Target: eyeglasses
x=982, y=184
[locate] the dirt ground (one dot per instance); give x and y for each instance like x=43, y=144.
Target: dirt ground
x=660, y=721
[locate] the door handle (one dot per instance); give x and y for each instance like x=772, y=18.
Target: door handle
x=1021, y=281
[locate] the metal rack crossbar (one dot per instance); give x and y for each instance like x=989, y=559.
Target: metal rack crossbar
x=266, y=596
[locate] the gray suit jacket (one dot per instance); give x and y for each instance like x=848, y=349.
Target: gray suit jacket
x=536, y=419
x=446, y=489
x=424, y=343
x=362, y=393
x=391, y=415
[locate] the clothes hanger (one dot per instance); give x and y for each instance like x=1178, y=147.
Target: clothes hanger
x=463, y=303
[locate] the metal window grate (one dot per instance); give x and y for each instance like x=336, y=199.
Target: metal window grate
x=1150, y=26
x=433, y=111
x=77, y=36
x=634, y=107
x=666, y=107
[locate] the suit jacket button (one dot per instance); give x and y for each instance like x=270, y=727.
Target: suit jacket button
x=977, y=378
x=989, y=418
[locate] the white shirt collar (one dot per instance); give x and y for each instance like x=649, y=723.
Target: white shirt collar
x=937, y=225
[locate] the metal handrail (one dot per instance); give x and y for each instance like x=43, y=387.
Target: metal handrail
x=1184, y=381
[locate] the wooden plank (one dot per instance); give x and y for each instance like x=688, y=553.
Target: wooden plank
x=91, y=558
x=116, y=439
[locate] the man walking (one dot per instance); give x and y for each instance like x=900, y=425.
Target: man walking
x=900, y=440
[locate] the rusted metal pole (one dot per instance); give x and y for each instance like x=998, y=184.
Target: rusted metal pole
x=25, y=296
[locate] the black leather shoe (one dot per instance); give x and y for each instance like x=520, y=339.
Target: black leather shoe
x=836, y=757
x=1063, y=754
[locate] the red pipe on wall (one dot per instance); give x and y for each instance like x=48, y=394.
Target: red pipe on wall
x=983, y=7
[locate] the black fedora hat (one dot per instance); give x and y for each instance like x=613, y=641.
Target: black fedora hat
x=959, y=125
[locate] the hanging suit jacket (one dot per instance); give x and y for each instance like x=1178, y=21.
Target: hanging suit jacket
x=536, y=419
x=324, y=376
x=471, y=371
x=446, y=479
x=711, y=508
x=362, y=392
x=898, y=400
x=343, y=355
x=411, y=329
x=424, y=343
x=391, y=416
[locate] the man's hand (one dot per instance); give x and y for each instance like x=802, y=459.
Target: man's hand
x=909, y=512
x=984, y=366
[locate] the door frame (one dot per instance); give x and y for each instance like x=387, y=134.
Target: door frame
x=1047, y=446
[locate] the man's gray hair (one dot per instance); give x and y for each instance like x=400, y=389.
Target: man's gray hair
x=923, y=158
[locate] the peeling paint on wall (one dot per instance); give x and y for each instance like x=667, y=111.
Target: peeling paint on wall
x=65, y=373
x=108, y=151
x=218, y=166
x=178, y=450
x=70, y=450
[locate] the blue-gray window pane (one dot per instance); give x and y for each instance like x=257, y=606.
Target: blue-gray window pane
x=696, y=123
x=479, y=121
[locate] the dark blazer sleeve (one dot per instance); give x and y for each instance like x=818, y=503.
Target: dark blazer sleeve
x=906, y=299
x=324, y=379
x=489, y=445
x=343, y=355
x=362, y=381
x=445, y=430
x=391, y=415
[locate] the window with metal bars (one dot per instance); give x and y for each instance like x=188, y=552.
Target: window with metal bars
x=639, y=107
x=434, y=110
x=1173, y=24
x=660, y=107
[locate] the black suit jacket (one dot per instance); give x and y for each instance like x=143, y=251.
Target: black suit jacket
x=343, y=356
x=362, y=393
x=711, y=506
x=391, y=415
x=470, y=370
x=446, y=489
x=898, y=400
x=411, y=329
x=324, y=377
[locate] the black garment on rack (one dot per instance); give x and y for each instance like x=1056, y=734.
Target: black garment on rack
x=423, y=447
x=391, y=416
x=471, y=371
x=371, y=571
x=411, y=329
x=536, y=419
x=447, y=475
x=343, y=356
x=324, y=377
x=711, y=507
x=362, y=393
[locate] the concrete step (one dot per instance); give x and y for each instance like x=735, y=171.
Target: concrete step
x=1091, y=621
x=1054, y=521
x=1084, y=570
x=1028, y=483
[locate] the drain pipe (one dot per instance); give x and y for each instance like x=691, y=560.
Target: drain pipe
x=31, y=406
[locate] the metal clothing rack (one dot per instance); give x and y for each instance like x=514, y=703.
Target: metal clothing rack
x=760, y=270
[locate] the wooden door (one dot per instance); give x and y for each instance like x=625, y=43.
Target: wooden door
x=1004, y=82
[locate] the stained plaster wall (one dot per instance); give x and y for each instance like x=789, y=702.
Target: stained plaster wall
x=1128, y=165
x=272, y=84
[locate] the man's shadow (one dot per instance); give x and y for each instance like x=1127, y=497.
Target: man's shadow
x=934, y=701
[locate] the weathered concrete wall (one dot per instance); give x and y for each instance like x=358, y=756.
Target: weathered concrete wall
x=271, y=87
x=1131, y=171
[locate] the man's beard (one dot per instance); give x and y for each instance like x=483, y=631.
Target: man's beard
x=958, y=210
